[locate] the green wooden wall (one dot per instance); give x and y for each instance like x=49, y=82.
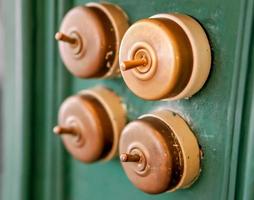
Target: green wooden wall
x=36, y=166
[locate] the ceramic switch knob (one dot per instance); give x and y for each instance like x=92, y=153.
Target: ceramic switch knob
x=89, y=39
x=166, y=56
x=90, y=124
x=160, y=153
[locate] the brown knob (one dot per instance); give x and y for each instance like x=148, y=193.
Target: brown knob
x=165, y=57
x=64, y=130
x=65, y=38
x=90, y=124
x=159, y=153
x=126, y=65
x=89, y=39
x=124, y=157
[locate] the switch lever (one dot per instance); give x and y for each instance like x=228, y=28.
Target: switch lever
x=60, y=130
x=130, y=64
x=65, y=38
x=124, y=157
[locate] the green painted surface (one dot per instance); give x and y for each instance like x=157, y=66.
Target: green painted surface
x=209, y=112
x=36, y=164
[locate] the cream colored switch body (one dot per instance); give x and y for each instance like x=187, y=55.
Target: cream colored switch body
x=160, y=153
x=90, y=124
x=166, y=56
x=89, y=39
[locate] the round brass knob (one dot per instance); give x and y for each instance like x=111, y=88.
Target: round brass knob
x=89, y=39
x=90, y=124
x=166, y=56
x=159, y=152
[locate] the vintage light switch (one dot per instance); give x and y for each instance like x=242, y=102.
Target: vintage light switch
x=166, y=56
x=160, y=153
x=90, y=124
x=89, y=39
